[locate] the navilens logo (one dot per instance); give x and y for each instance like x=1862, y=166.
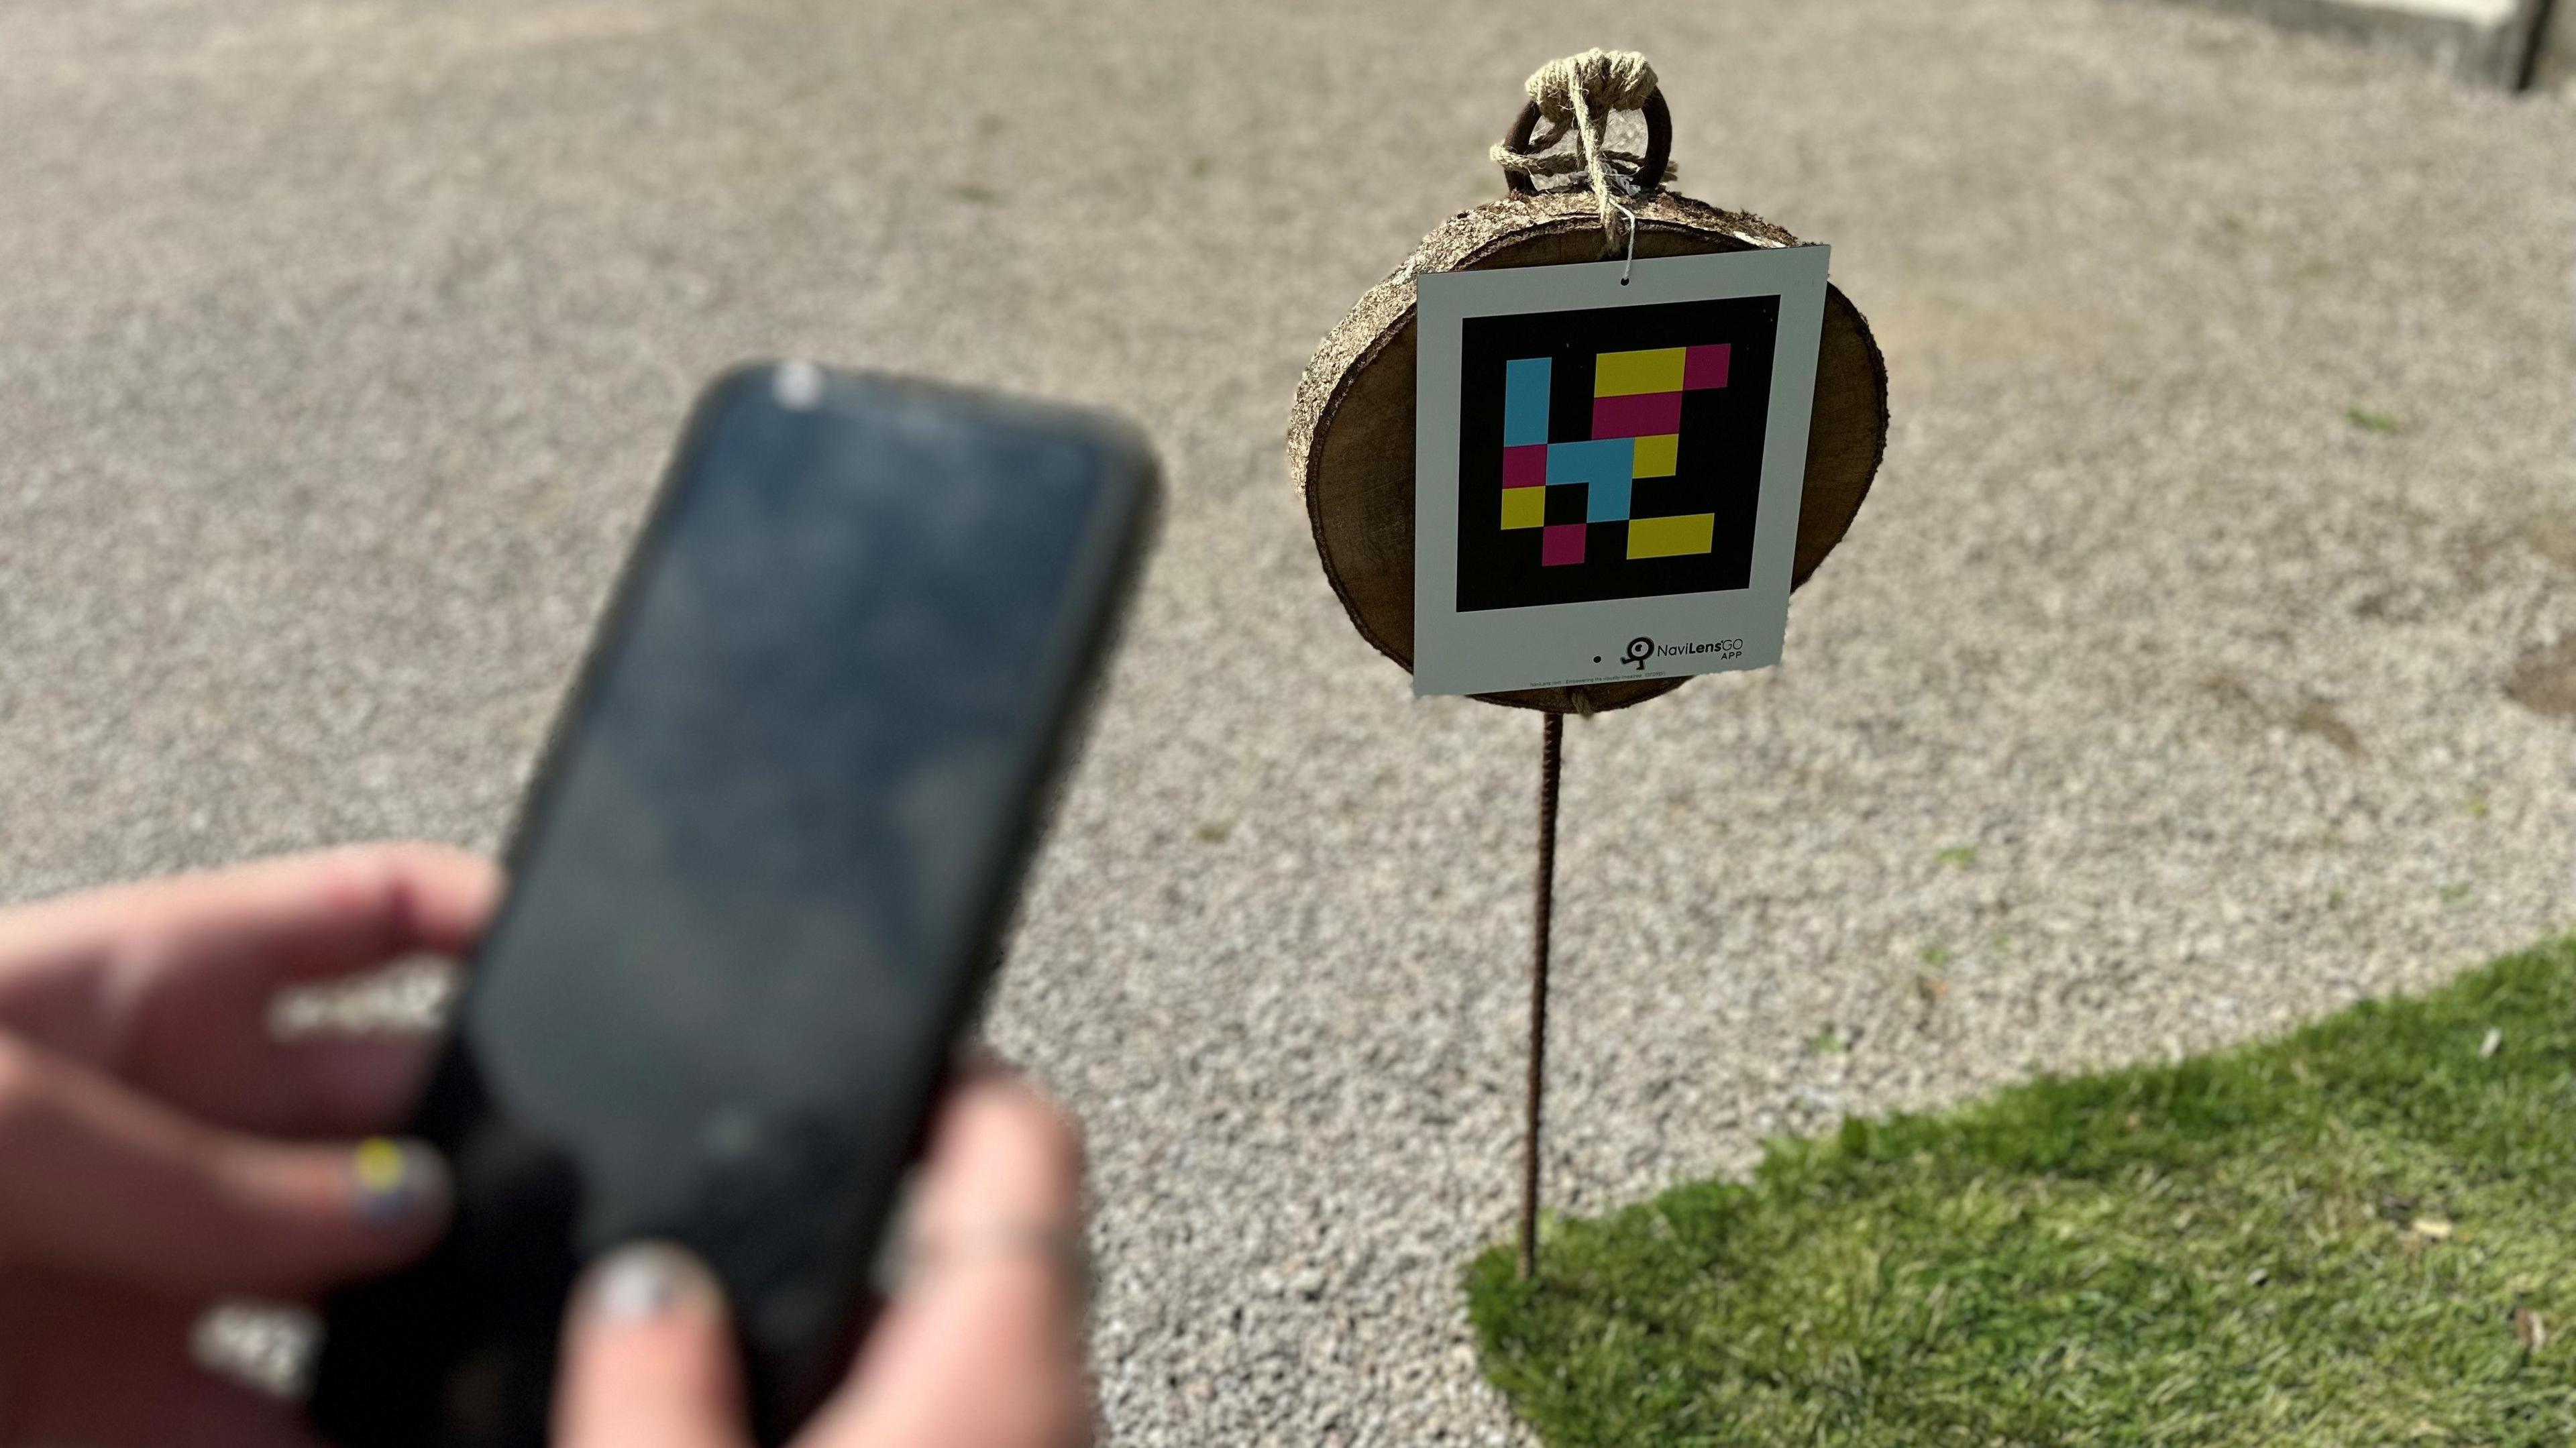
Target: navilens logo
x=1641, y=651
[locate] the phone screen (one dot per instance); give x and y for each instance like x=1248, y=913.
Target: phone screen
x=754, y=888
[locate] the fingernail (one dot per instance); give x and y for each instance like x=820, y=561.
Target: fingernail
x=637, y=1284
x=399, y=1182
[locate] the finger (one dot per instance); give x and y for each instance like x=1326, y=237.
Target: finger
x=97, y=1178
x=112, y=1367
x=982, y=1347
x=170, y=985
x=649, y=1358
x=331, y=1085
x=297, y=917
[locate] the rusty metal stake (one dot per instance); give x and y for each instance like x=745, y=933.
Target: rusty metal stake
x=1551, y=759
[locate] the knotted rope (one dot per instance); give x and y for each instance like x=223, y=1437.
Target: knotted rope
x=1578, y=94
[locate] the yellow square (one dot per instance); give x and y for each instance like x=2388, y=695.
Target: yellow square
x=1671, y=537
x=1624, y=374
x=1524, y=507
x=1656, y=455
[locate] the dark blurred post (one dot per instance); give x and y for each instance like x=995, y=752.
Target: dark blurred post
x=1551, y=758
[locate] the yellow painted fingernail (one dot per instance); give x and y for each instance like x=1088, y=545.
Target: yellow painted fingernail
x=398, y=1181
x=380, y=1164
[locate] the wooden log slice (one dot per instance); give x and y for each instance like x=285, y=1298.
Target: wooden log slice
x=1350, y=435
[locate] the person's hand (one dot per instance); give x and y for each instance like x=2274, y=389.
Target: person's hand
x=160, y=1147
x=981, y=1348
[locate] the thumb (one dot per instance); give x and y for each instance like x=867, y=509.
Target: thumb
x=98, y=1178
x=649, y=1357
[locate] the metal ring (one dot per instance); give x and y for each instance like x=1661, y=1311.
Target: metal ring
x=1650, y=167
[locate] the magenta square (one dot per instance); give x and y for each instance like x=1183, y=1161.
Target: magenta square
x=1526, y=466
x=1705, y=366
x=1562, y=543
x=1640, y=414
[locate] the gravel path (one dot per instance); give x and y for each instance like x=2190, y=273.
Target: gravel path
x=2153, y=702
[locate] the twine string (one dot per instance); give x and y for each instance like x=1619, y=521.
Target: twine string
x=1630, y=268
x=1576, y=95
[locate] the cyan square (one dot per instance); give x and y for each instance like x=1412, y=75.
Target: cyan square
x=1593, y=462
x=1525, y=388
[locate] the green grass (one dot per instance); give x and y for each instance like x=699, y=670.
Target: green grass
x=2319, y=1240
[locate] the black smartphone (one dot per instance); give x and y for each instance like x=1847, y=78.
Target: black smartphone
x=758, y=886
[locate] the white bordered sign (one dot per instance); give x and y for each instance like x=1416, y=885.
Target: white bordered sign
x=1607, y=473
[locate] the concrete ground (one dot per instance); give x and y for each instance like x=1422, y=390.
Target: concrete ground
x=2205, y=658
x=2484, y=42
